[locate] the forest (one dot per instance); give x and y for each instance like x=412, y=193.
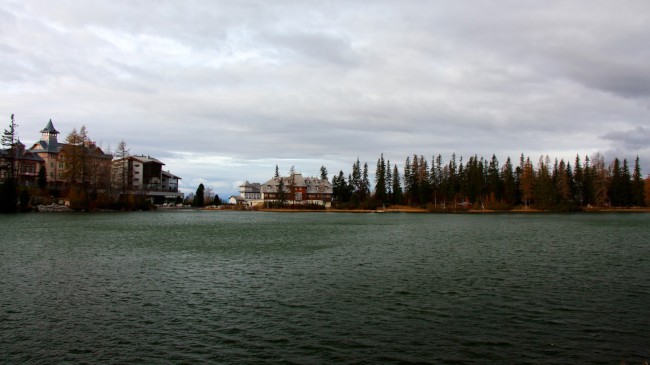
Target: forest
x=479, y=183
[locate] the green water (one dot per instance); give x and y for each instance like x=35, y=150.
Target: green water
x=268, y=288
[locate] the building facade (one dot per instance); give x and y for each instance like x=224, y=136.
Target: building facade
x=145, y=175
x=83, y=163
x=297, y=189
x=26, y=165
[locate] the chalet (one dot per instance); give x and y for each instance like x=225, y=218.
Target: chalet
x=27, y=165
x=298, y=190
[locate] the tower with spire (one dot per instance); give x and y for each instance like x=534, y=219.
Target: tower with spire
x=49, y=136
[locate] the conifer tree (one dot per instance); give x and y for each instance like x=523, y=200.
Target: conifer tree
x=389, y=182
x=397, y=189
x=323, y=173
x=509, y=183
x=544, y=190
x=365, y=187
x=199, y=196
x=42, y=178
x=578, y=182
x=380, y=180
x=407, y=178
x=638, y=186
x=8, y=193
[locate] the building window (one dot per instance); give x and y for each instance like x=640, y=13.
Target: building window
x=60, y=165
x=299, y=196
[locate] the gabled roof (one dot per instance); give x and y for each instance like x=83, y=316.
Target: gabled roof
x=271, y=186
x=22, y=154
x=45, y=146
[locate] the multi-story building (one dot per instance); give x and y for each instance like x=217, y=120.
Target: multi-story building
x=145, y=175
x=249, y=194
x=83, y=163
x=26, y=165
x=298, y=190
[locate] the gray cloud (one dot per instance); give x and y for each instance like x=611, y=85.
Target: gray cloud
x=222, y=91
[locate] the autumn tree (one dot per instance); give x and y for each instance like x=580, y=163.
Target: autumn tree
x=599, y=176
x=208, y=196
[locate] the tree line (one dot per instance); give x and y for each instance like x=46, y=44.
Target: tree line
x=487, y=184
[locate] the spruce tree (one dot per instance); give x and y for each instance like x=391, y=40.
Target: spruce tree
x=199, y=196
x=397, y=188
x=323, y=173
x=638, y=186
x=8, y=193
x=509, y=183
x=380, y=180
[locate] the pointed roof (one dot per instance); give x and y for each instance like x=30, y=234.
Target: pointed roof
x=49, y=128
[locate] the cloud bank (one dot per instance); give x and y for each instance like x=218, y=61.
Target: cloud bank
x=223, y=91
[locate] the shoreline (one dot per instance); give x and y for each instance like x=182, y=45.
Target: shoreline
x=470, y=211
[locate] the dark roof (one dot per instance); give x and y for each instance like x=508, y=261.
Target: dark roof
x=49, y=128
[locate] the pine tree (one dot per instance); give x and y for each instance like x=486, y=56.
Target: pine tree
x=562, y=185
x=365, y=187
x=380, y=180
x=509, y=183
x=199, y=196
x=544, y=191
x=8, y=193
x=323, y=173
x=638, y=186
x=578, y=183
x=389, y=182
x=397, y=188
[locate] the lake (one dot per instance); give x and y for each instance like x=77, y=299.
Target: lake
x=324, y=288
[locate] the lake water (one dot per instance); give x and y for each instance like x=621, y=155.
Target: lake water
x=324, y=288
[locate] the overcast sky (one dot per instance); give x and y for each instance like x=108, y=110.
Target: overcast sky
x=222, y=91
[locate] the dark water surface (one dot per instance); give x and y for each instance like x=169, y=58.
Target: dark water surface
x=320, y=288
